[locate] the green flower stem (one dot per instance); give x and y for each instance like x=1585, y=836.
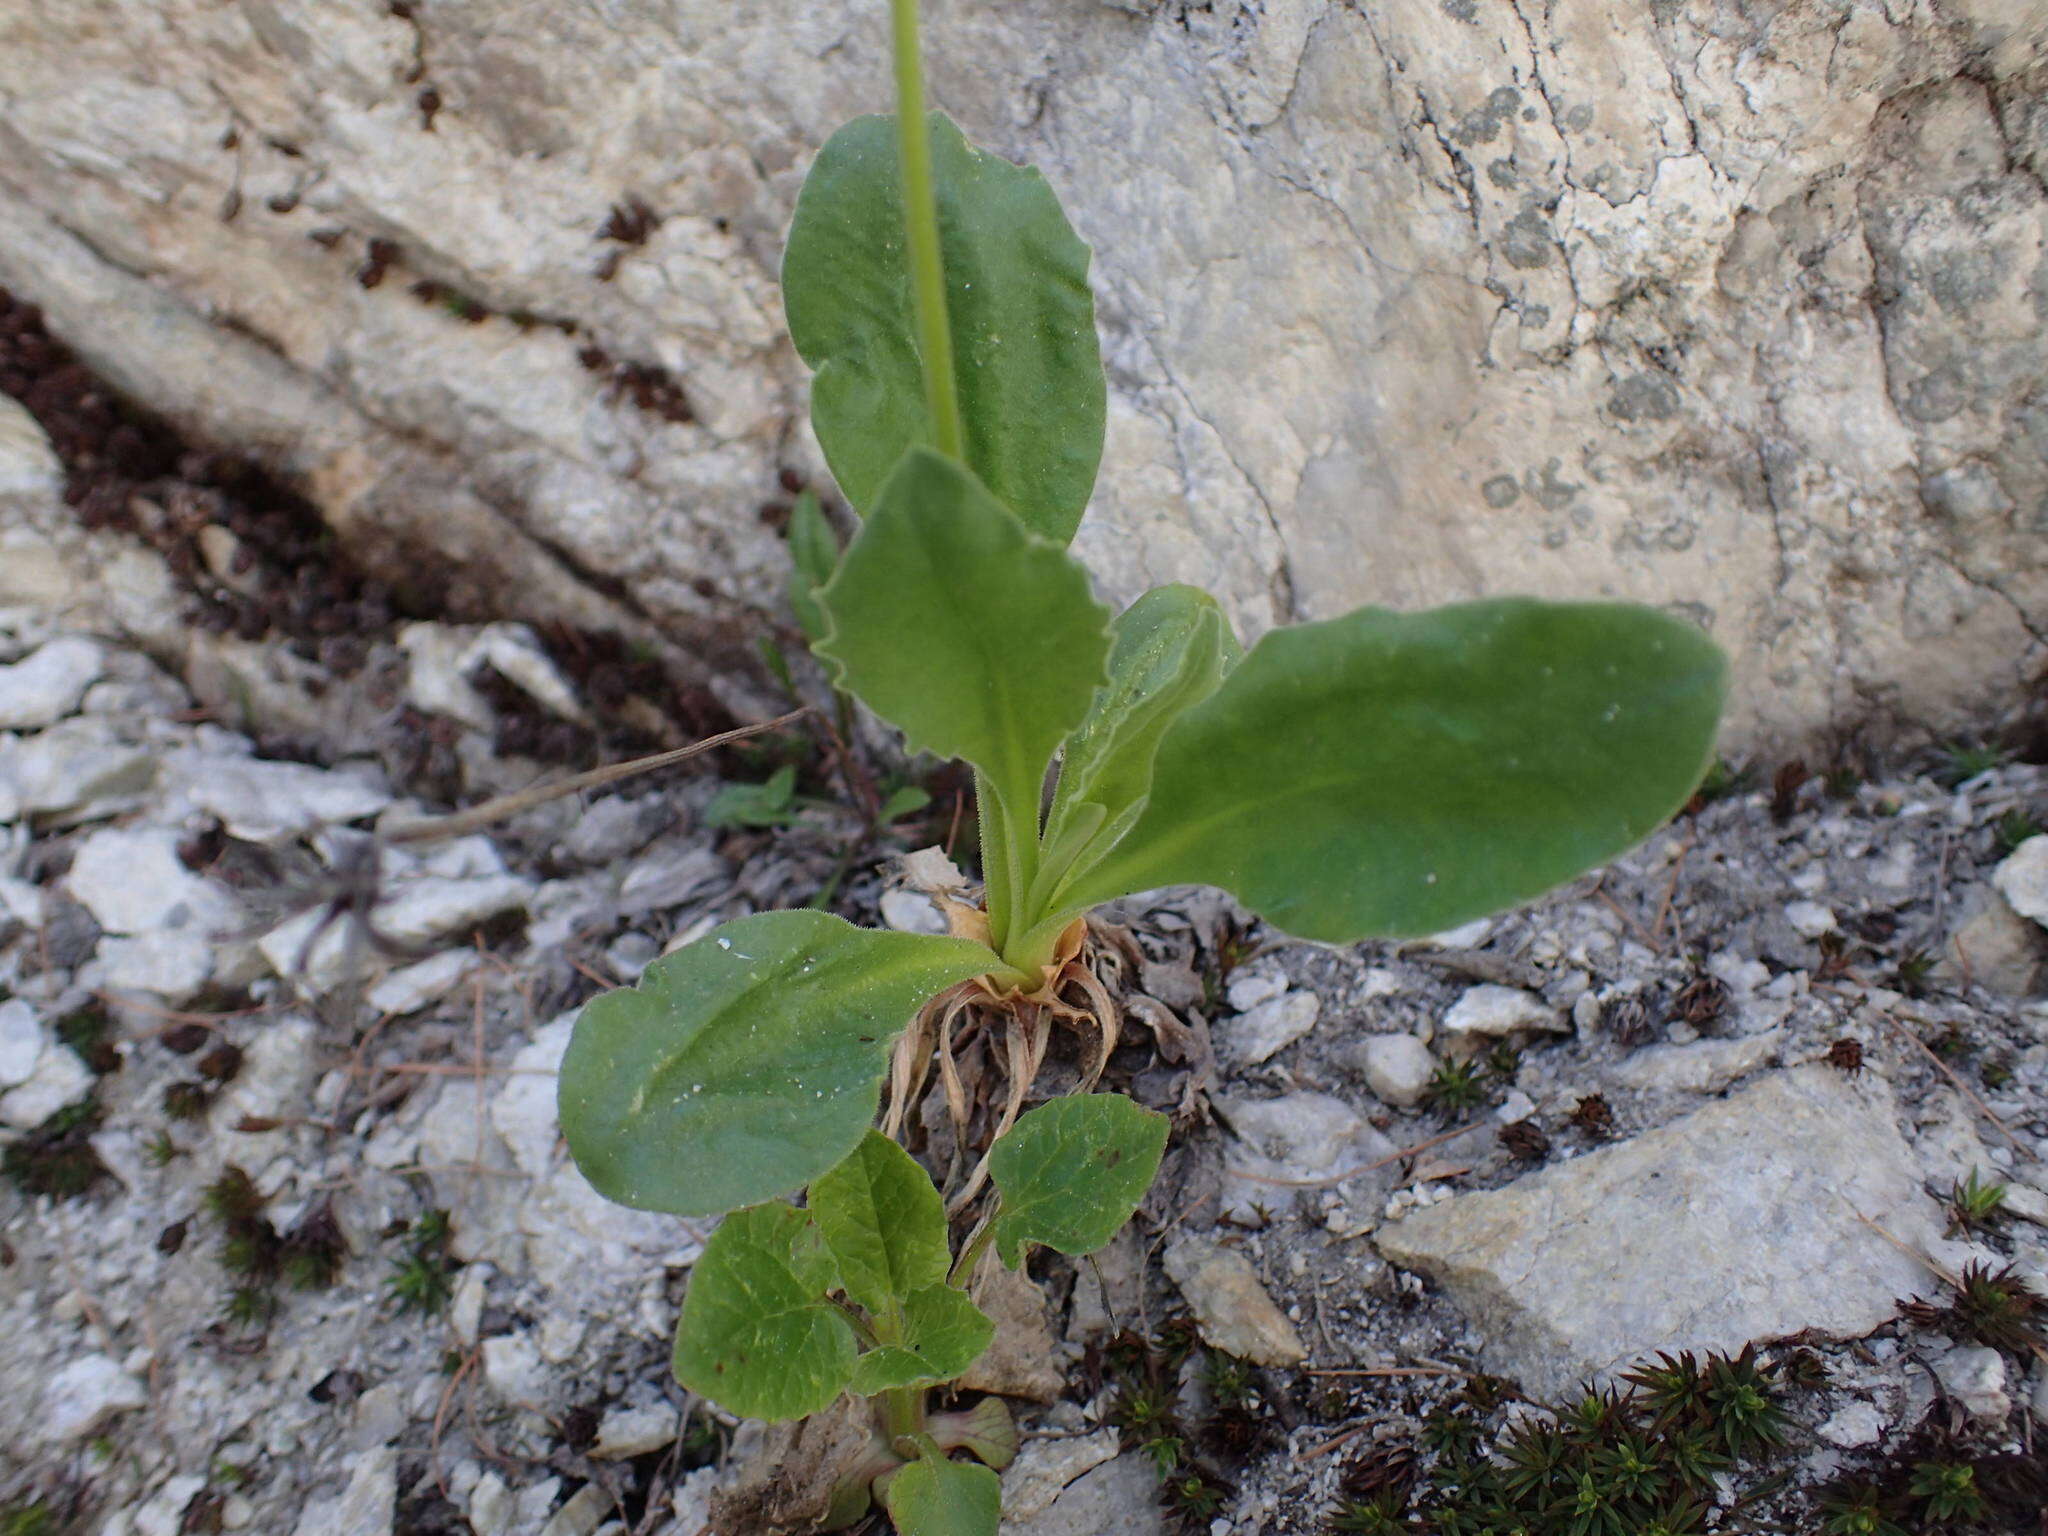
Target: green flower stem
x=921, y=228
x=902, y=1414
x=1009, y=861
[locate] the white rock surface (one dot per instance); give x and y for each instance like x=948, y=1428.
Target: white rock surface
x=1281, y=1145
x=269, y=802
x=1852, y=1426
x=77, y=770
x=627, y=1430
x=1993, y=947
x=1396, y=1067
x=46, y=685
x=909, y=911
x=22, y=1042
x=1741, y=1202
x=1810, y=919
x=364, y=1507
x=1044, y=1468
x=1270, y=1027
x=84, y=1394
x=1974, y=1377
x=2022, y=879
x=1489, y=1012
x=1230, y=1304
x=1120, y=1495
x=1705, y=1067
x=132, y=881
x=58, y=1078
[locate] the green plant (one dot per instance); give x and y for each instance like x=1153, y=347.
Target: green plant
x=1857, y=1511
x=57, y=1158
x=420, y=1278
x=2012, y=829
x=1962, y=762
x=1973, y=1204
x=1377, y=774
x=31, y=1519
x=1947, y=1491
x=1455, y=1085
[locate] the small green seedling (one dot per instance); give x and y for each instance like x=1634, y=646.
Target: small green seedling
x=1374, y=775
x=1973, y=1204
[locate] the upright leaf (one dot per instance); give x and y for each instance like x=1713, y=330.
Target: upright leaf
x=813, y=556
x=748, y=1063
x=973, y=636
x=1071, y=1172
x=1032, y=396
x=937, y=1497
x=1168, y=651
x=757, y=1336
x=943, y=1333
x=884, y=1221
x=1397, y=774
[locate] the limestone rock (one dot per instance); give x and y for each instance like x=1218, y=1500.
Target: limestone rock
x=1045, y=1468
x=2022, y=879
x=58, y=1078
x=1279, y=1144
x=1839, y=364
x=1975, y=1378
x=1705, y=1067
x=1993, y=947
x=77, y=770
x=364, y=1507
x=1231, y=1307
x=84, y=1394
x=1491, y=1012
x=46, y=685
x=268, y=802
x=1271, y=1026
x=1120, y=1495
x=1396, y=1067
x=22, y=1042
x=1703, y=1234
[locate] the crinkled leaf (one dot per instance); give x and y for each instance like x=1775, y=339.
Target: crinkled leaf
x=1168, y=651
x=747, y=1063
x=757, y=1336
x=1072, y=1171
x=969, y=633
x=943, y=1334
x=1397, y=774
x=813, y=555
x=1029, y=367
x=936, y=1497
x=884, y=1221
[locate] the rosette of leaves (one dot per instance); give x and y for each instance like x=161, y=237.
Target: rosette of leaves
x=1376, y=774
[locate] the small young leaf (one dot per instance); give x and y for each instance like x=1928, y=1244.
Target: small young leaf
x=884, y=1221
x=814, y=555
x=757, y=1336
x=748, y=1063
x=1389, y=774
x=971, y=634
x=1072, y=1171
x=772, y=804
x=936, y=1497
x=1168, y=651
x=943, y=1334
x=1031, y=390
x=907, y=801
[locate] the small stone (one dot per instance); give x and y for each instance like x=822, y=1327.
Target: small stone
x=1121, y=1495
x=76, y=770
x=613, y=828
x=1993, y=947
x=171, y=965
x=164, y=1514
x=1397, y=1067
x=1853, y=1426
x=1466, y=936
x=1809, y=919
x=1975, y=1378
x=22, y=1041
x=132, y=881
x=668, y=875
x=1491, y=1012
x=513, y=1369
x=1045, y=1468
x=1272, y=1026
x=2022, y=879
x=46, y=685
x=1021, y=1360
x=1706, y=1067
x=364, y=1507
x=58, y=1078
x=260, y=801
x=628, y=1431
x=581, y=1514
x=1174, y=984
x=1230, y=1305
x=909, y=911
x=2021, y=1200
x=1278, y=1143
x=413, y=987
x=1253, y=985
x=84, y=1393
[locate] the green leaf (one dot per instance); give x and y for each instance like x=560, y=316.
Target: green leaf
x=1072, y=1171
x=884, y=1221
x=1168, y=651
x=757, y=1336
x=747, y=1063
x=772, y=804
x=973, y=636
x=814, y=555
x=1390, y=774
x=936, y=1497
x=943, y=1334
x=1031, y=390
